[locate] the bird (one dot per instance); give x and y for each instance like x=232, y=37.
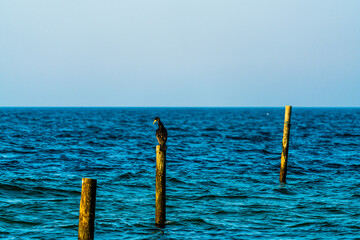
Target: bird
x=161, y=134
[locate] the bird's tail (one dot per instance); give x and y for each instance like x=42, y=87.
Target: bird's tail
x=163, y=147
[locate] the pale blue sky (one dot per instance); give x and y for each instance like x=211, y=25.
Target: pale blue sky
x=180, y=53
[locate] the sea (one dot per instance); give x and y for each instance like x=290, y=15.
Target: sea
x=222, y=173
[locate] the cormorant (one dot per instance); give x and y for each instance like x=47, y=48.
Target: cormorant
x=161, y=134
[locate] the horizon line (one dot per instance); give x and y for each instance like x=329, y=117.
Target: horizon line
x=178, y=106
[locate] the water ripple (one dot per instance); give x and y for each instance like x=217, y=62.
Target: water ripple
x=222, y=173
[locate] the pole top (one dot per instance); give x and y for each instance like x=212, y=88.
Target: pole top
x=88, y=180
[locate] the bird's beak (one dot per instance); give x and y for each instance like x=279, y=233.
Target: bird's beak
x=154, y=121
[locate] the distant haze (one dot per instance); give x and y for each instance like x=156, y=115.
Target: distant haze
x=180, y=53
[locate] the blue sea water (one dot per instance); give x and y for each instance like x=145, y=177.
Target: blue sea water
x=222, y=173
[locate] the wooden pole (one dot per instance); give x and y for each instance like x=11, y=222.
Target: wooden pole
x=160, y=206
x=87, y=209
x=285, y=144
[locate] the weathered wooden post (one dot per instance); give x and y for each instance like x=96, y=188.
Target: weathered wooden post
x=160, y=205
x=87, y=209
x=285, y=144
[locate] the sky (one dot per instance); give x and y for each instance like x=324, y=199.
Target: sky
x=180, y=53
